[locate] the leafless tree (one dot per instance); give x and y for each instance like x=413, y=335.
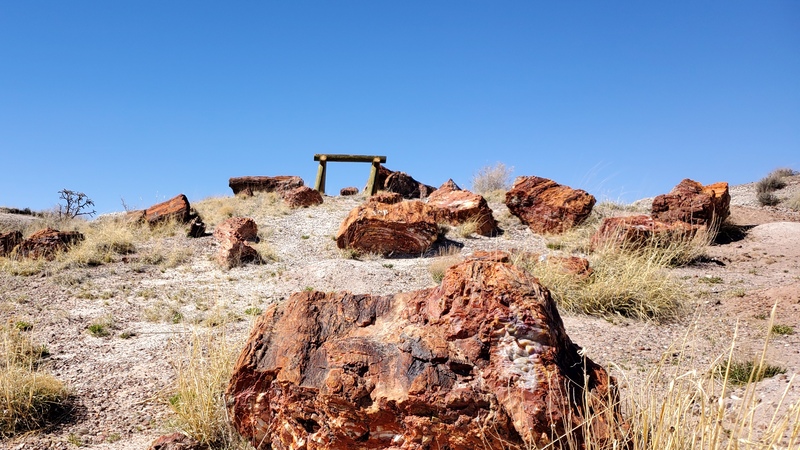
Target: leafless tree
x=77, y=204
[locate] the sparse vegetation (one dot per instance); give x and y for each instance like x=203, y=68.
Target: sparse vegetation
x=29, y=397
x=74, y=204
x=772, y=182
x=201, y=375
x=492, y=181
x=749, y=371
x=783, y=330
x=794, y=202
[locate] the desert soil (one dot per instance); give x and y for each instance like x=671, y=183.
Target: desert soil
x=121, y=383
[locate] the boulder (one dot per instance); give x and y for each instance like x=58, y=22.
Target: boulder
x=490, y=255
x=636, y=231
x=693, y=203
x=234, y=237
x=546, y=206
x=302, y=197
x=47, y=243
x=176, y=441
x=405, y=228
x=250, y=185
x=351, y=190
x=480, y=362
x=8, y=241
x=455, y=206
x=176, y=208
x=385, y=197
x=403, y=184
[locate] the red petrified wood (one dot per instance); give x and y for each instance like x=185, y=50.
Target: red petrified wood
x=250, y=185
x=234, y=237
x=404, y=228
x=8, y=241
x=47, y=242
x=546, y=206
x=693, y=203
x=456, y=206
x=480, y=362
x=302, y=197
x=636, y=231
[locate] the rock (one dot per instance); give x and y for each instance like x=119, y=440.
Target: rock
x=234, y=237
x=196, y=228
x=176, y=441
x=8, y=241
x=250, y=185
x=693, y=203
x=405, y=228
x=403, y=184
x=493, y=255
x=455, y=206
x=546, y=206
x=385, y=197
x=176, y=208
x=47, y=242
x=436, y=368
x=635, y=231
x=302, y=197
x=352, y=190
x=572, y=265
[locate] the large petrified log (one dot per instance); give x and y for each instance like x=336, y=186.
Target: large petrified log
x=633, y=232
x=250, y=185
x=234, y=237
x=8, y=241
x=456, y=206
x=546, y=206
x=47, y=243
x=176, y=209
x=404, y=228
x=302, y=197
x=693, y=203
x=480, y=362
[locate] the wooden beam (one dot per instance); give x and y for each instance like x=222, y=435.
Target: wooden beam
x=348, y=158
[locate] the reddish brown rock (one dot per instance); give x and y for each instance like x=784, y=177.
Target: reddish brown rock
x=480, y=362
x=176, y=441
x=302, y=197
x=493, y=255
x=176, y=208
x=47, y=243
x=546, y=206
x=405, y=228
x=250, y=185
x=385, y=197
x=234, y=237
x=351, y=190
x=635, y=231
x=8, y=241
x=573, y=265
x=455, y=206
x=403, y=184
x=693, y=203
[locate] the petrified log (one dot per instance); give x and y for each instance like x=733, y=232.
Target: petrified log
x=176, y=208
x=405, y=228
x=633, y=232
x=350, y=190
x=249, y=185
x=8, y=241
x=480, y=362
x=385, y=197
x=234, y=237
x=302, y=197
x=47, y=243
x=546, y=206
x=693, y=203
x=405, y=185
x=456, y=206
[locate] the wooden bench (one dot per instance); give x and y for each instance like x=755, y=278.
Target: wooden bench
x=323, y=159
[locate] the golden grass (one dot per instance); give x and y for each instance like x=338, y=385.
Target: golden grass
x=216, y=210
x=492, y=178
x=28, y=397
x=794, y=202
x=202, y=374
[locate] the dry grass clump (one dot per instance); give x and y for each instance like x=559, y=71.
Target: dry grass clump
x=772, y=182
x=216, y=210
x=636, y=285
x=28, y=397
x=202, y=374
x=491, y=180
x=794, y=202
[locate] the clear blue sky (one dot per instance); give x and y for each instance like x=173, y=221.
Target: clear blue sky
x=144, y=100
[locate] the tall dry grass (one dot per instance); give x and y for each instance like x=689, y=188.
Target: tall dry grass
x=216, y=210
x=29, y=397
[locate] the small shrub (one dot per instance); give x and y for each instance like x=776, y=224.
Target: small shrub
x=750, y=371
x=439, y=266
x=708, y=279
x=767, y=199
x=783, y=330
x=253, y=311
x=794, y=202
x=100, y=327
x=75, y=204
x=771, y=182
x=491, y=179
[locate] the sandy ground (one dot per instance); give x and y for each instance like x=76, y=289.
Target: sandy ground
x=121, y=383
